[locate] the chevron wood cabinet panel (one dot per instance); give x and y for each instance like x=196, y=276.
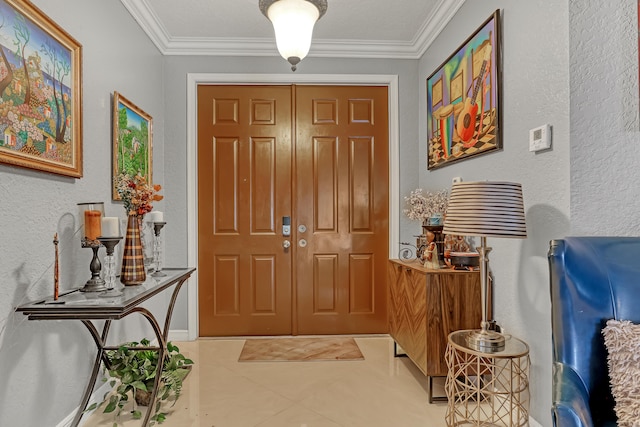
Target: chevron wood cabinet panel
x=425, y=306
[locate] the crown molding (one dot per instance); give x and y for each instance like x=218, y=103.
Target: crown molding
x=221, y=46
x=149, y=22
x=435, y=23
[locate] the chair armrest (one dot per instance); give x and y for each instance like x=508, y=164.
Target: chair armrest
x=570, y=406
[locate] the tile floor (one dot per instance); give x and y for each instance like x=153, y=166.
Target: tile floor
x=381, y=391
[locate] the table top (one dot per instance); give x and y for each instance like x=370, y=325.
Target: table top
x=417, y=265
x=103, y=305
x=513, y=346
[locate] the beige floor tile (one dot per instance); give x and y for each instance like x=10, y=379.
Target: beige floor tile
x=381, y=391
x=298, y=416
x=372, y=401
x=296, y=380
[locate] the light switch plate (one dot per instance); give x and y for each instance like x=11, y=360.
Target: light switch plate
x=540, y=138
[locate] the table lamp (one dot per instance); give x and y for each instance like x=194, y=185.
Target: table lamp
x=485, y=209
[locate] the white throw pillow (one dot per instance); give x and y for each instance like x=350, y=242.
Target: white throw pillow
x=622, y=339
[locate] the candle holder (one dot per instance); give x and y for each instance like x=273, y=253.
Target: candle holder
x=157, y=226
x=110, y=265
x=96, y=283
x=148, y=260
x=91, y=214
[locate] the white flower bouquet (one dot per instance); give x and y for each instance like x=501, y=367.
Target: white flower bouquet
x=422, y=206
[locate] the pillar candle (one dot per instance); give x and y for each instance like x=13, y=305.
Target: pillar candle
x=92, y=224
x=155, y=216
x=110, y=226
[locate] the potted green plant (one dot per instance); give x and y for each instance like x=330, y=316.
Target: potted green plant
x=134, y=372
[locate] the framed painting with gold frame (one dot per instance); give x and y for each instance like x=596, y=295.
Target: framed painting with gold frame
x=40, y=92
x=463, y=99
x=132, y=141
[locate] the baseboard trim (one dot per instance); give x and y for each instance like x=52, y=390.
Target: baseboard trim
x=179, y=335
x=96, y=397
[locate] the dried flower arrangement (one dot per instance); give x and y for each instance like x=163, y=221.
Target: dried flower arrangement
x=422, y=206
x=137, y=194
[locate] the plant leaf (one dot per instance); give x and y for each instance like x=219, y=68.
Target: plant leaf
x=113, y=403
x=139, y=385
x=161, y=417
x=136, y=414
x=127, y=377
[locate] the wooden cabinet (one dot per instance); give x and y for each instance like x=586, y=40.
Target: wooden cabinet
x=425, y=306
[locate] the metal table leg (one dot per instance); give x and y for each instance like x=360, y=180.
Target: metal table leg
x=99, y=340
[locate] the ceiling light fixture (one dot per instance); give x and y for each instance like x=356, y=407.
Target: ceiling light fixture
x=293, y=22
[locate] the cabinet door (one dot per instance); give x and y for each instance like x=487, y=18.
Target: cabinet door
x=453, y=303
x=407, y=316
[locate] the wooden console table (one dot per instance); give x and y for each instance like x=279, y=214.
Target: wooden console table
x=425, y=306
x=88, y=307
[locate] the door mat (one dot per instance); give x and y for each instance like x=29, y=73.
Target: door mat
x=300, y=349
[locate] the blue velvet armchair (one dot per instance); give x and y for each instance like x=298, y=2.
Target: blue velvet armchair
x=593, y=279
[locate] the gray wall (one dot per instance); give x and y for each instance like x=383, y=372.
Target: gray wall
x=603, y=61
x=535, y=91
x=44, y=364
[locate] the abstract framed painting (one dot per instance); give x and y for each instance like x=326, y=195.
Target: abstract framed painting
x=463, y=99
x=40, y=92
x=132, y=141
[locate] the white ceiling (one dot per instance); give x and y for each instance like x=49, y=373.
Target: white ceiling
x=350, y=28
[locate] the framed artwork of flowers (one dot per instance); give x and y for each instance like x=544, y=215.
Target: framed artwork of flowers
x=132, y=148
x=40, y=92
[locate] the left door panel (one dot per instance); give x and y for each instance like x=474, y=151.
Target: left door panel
x=244, y=191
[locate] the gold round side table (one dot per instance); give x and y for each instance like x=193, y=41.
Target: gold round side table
x=487, y=389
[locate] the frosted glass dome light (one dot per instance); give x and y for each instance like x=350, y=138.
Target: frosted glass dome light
x=293, y=22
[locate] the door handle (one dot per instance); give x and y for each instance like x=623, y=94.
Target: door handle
x=286, y=244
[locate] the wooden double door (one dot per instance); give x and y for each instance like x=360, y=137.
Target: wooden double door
x=315, y=157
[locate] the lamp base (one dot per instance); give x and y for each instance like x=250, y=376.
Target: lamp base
x=485, y=341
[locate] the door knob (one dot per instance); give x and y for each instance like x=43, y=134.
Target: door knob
x=286, y=244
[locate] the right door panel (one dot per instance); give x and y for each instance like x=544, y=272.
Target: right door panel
x=342, y=197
